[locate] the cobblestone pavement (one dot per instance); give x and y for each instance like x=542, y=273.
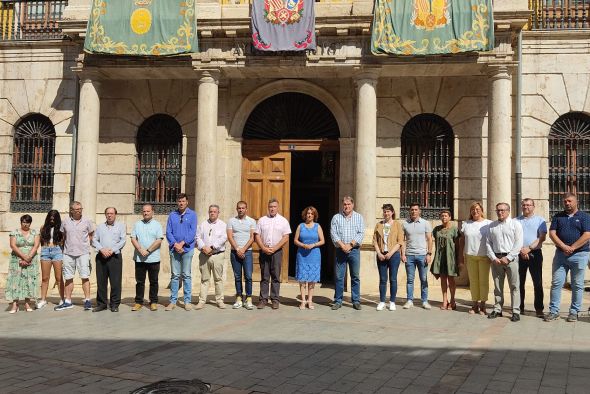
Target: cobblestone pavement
x=289, y=350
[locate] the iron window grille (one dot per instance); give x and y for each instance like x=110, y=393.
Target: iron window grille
x=569, y=161
x=427, y=165
x=159, y=163
x=33, y=161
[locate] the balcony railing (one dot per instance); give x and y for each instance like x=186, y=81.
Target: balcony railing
x=30, y=20
x=560, y=14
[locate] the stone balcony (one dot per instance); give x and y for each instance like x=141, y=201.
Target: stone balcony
x=343, y=29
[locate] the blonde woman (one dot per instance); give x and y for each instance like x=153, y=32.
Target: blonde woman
x=473, y=246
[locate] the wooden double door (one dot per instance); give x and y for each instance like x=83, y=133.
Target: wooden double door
x=266, y=174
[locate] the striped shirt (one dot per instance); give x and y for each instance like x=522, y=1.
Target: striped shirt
x=347, y=229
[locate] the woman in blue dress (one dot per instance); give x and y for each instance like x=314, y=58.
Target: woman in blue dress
x=308, y=238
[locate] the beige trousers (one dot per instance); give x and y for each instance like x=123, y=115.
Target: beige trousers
x=211, y=266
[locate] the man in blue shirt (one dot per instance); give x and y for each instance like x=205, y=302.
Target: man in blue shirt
x=109, y=238
x=181, y=230
x=146, y=238
x=530, y=258
x=570, y=232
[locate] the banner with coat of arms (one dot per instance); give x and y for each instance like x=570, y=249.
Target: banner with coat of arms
x=427, y=27
x=142, y=27
x=283, y=25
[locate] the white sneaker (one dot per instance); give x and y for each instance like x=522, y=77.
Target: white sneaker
x=41, y=304
x=392, y=306
x=426, y=305
x=408, y=304
x=238, y=304
x=381, y=306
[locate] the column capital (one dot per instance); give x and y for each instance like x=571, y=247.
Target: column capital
x=366, y=76
x=499, y=71
x=210, y=76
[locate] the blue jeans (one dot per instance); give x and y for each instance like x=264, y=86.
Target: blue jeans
x=413, y=261
x=561, y=265
x=181, y=266
x=353, y=259
x=392, y=265
x=246, y=264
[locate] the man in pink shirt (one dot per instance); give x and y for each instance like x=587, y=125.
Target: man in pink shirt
x=272, y=233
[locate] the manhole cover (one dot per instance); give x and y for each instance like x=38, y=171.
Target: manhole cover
x=175, y=386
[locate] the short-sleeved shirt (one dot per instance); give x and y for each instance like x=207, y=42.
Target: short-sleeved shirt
x=77, y=235
x=241, y=229
x=532, y=228
x=146, y=233
x=415, y=232
x=570, y=228
x=475, y=233
x=272, y=229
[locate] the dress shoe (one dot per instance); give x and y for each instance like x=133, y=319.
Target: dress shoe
x=136, y=307
x=515, y=317
x=115, y=309
x=494, y=315
x=357, y=306
x=99, y=308
x=261, y=304
x=275, y=304
x=336, y=306
x=540, y=313
x=153, y=307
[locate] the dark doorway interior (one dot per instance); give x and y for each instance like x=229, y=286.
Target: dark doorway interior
x=313, y=182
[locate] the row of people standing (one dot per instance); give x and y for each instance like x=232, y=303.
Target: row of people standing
x=500, y=243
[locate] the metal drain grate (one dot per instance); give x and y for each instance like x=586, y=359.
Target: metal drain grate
x=174, y=386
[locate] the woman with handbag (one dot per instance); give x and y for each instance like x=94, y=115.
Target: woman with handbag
x=22, y=282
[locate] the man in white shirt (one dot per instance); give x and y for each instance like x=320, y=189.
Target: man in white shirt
x=272, y=233
x=211, y=238
x=504, y=242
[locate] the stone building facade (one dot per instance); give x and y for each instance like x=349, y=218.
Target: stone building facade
x=97, y=105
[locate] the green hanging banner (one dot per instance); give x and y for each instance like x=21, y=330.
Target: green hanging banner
x=430, y=27
x=142, y=27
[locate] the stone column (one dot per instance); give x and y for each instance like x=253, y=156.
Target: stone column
x=366, y=147
x=499, y=138
x=206, y=182
x=87, y=149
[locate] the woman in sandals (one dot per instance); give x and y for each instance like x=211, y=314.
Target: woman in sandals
x=444, y=265
x=22, y=282
x=308, y=238
x=472, y=245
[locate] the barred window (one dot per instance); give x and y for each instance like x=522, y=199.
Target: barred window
x=569, y=160
x=427, y=165
x=159, y=163
x=33, y=160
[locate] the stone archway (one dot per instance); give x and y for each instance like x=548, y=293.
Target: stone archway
x=289, y=85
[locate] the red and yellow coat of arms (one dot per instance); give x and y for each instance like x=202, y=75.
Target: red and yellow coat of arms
x=283, y=12
x=430, y=14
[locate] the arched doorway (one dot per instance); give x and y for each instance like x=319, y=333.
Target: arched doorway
x=290, y=152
